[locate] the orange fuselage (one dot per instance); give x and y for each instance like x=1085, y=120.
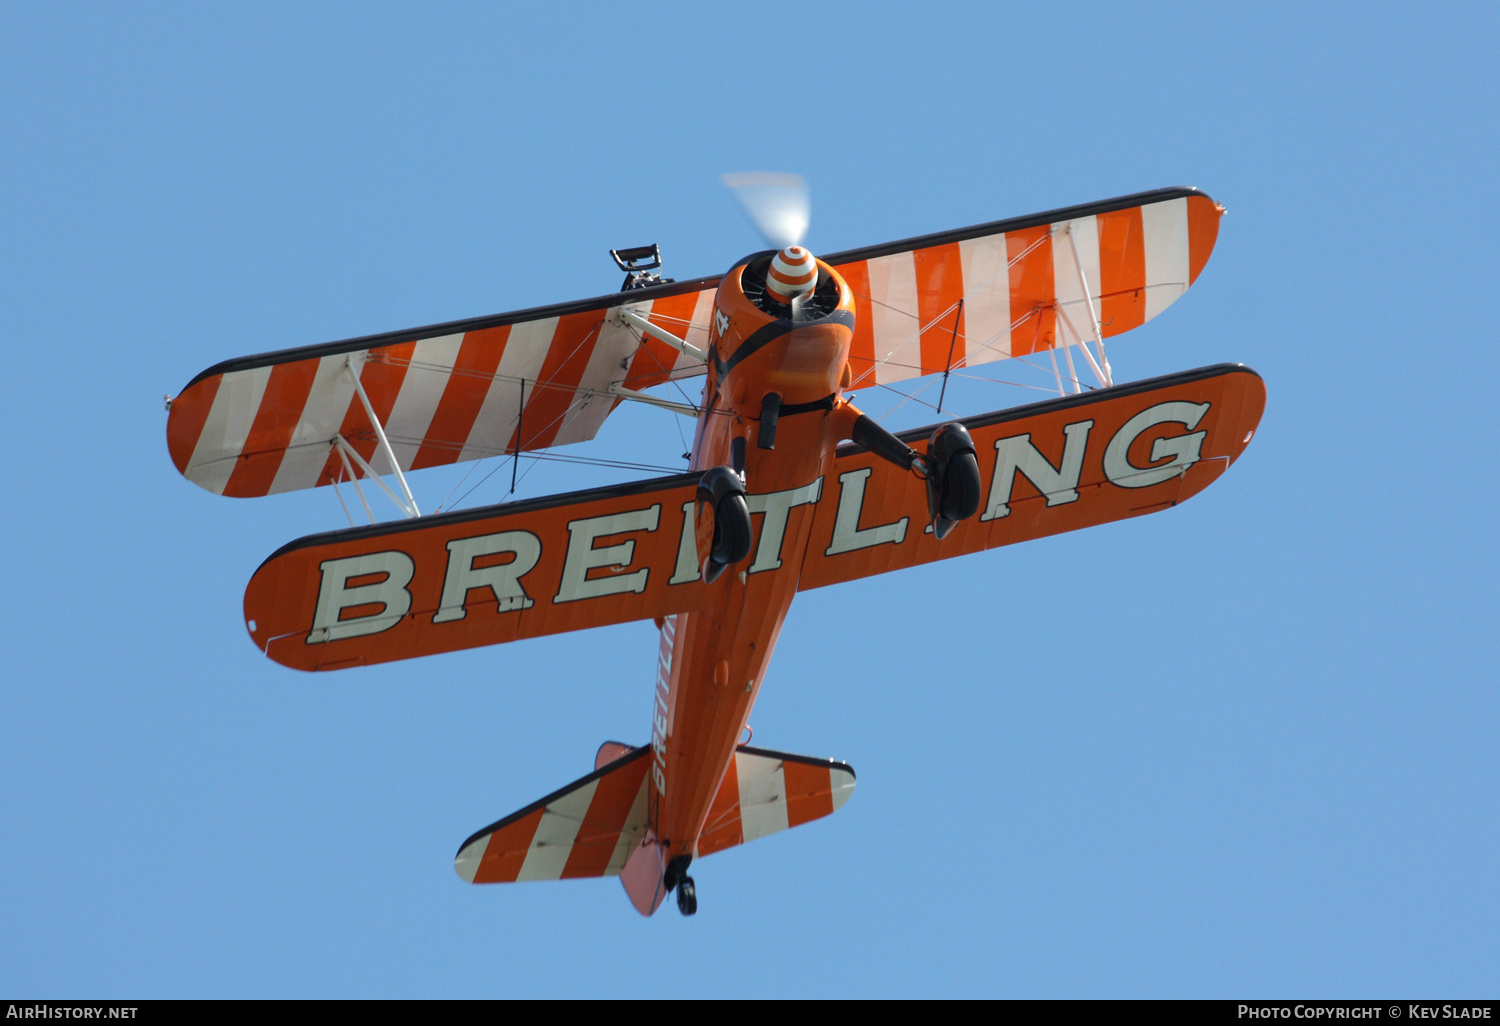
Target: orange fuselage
x=713, y=659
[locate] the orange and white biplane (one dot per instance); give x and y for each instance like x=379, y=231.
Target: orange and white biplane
x=789, y=486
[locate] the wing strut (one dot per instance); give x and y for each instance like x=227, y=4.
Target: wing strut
x=645, y=327
x=348, y=452
x=354, y=480
x=1105, y=373
x=409, y=507
x=691, y=412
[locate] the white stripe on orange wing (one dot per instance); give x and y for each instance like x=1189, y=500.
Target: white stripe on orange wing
x=466, y=865
x=593, y=402
x=1084, y=236
x=893, y=315
x=525, y=351
x=696, y=335
x=228, y=425
x=762, y=795
x=327, y=403
x=841, y=782
x=553, y=841
x=987, y=313
x=1165, y=227
x=421, y=391
x=633, y=830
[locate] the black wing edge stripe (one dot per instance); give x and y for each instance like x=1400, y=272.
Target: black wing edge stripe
x=808, y=760
x=678, y=288
x=461, y=516
x=619, y=763
x=1098, y=395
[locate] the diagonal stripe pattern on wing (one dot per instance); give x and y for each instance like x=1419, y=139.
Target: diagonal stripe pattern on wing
x=994, y=291
x=530, y=380
x=542, y=377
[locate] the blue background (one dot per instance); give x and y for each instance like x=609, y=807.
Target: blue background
x=1243, y=747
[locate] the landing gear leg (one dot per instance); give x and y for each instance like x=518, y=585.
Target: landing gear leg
x=949, y=467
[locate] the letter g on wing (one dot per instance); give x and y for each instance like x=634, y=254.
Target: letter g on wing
x=1183, y=450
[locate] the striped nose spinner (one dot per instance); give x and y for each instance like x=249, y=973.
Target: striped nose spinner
x=793, y=273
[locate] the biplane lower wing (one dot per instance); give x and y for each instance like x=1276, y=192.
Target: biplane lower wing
x=478, y=577
x=1044, y=469
x=627, y=552
x=591, y=827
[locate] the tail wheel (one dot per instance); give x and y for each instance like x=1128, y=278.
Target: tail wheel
x=687, y=896
x=732, y=535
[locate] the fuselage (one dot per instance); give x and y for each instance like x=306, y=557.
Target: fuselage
x=713, y=659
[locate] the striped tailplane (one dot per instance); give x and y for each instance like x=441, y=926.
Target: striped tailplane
x=590, y=827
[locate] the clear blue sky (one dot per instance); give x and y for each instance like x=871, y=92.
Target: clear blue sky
x=1243, y=747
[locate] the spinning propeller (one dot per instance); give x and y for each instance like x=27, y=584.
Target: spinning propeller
x=778, y=204
x=780, y=207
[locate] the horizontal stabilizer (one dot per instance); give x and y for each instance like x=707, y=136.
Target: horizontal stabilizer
x=765, y=792
x=591, y=827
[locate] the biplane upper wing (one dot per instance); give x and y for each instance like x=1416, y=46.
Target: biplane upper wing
x=478, y=577
x=1045, y=468
x=536, y=378
x=1009, y=288
x=450, y=392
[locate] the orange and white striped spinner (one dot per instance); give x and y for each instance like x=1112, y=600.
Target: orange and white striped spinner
x=793, y=273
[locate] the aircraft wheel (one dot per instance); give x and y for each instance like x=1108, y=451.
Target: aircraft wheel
x=687, y=896
x=724, y=492
x=952, y=478
x=732, y=534
x=961, y=487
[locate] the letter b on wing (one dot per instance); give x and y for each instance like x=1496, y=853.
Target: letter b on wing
x=335, y=595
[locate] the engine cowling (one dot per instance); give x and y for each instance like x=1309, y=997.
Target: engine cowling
x=761, y=346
